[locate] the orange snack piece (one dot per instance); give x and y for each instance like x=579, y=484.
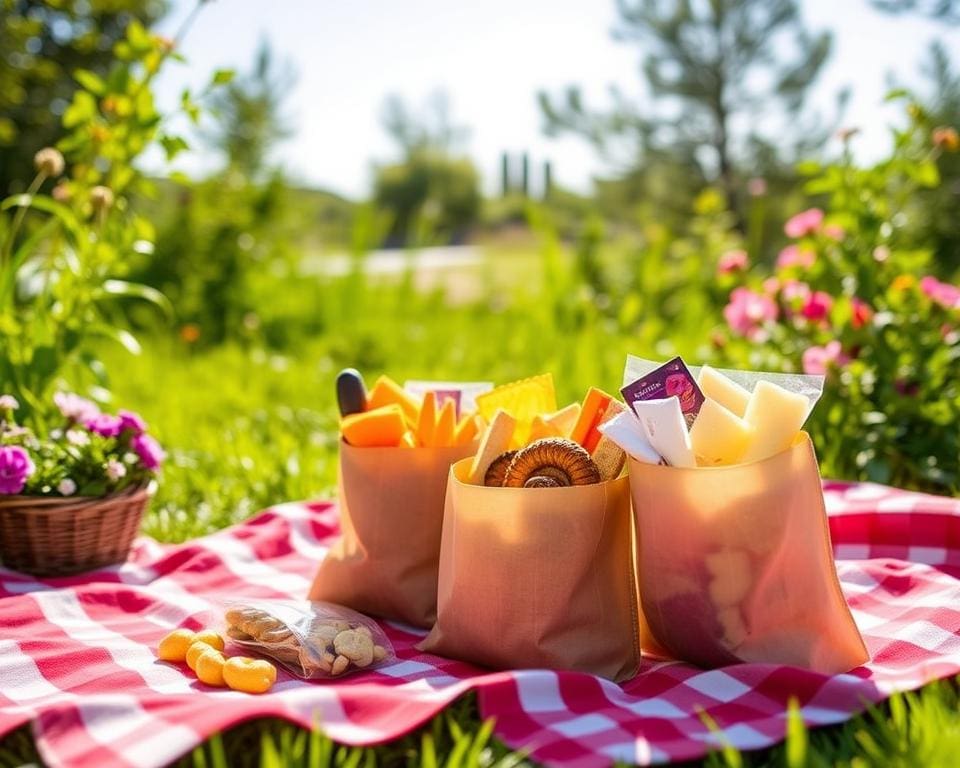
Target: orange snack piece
x=383, y=427
x=558, y=424
x=597, y=408
x=210, y=637
x=467, y=430
x=409, y=439
x=428, y=420
x=242, y=673
x=446, y=427
x=386, y=391
x=175, y=645
x=194, y=651
x=209, y=667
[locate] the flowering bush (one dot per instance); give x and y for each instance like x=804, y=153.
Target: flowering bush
x=851, y=297
x=88, y=453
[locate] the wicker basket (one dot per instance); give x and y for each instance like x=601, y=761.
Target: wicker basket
x=59, y=537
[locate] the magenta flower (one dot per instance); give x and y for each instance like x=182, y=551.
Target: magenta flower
x=795, y=292
x=818, y=360
x=132, y=421
x=15, y=468
x=105, y=425
x=748, y=311
x=732, y=261
x=75, y=408
x=804, y=223
x=817, y=306
x=149, y=451
x=944, y=294
x=794, y=256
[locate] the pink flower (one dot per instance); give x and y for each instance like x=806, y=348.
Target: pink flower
x=881, y=253
x=771, y=285
x=732, y=261
x=794, y=256
x=105, y=425
x=748, y=311
x=817, y=306
x=132, y=421
x=834, y=232
x=795, y=292
x=944, y=294
x=804, y=223
x=75, y=408
x=817, y=360
x=8, y=403
x=149, y=451
x=15, y=468
x=757, y=187
x=862, y=313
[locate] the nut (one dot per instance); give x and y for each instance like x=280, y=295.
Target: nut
x=356, y=646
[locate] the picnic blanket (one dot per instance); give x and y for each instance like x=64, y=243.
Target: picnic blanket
x=77, y=655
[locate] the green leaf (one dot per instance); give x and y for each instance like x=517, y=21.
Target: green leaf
x=123, y=337
x=222, y=76
x=896, y=94
x=83, y=109
x=138, y=37
x=47, y=205
x=138, y=291
x=173, y=146
x=927, y=174
x=91, y=81
x=26, y=249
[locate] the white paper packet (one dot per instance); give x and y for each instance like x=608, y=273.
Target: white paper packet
x=809, y=386
x=626, y=431
x=662, y=421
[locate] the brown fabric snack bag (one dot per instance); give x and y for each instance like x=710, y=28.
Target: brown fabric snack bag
x=538, y=577
x=736, y=564
x=391, y=516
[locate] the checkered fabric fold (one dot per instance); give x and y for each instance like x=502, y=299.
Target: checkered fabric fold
x=77, y=655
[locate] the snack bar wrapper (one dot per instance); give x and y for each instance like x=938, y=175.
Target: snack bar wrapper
x=735, y=562
x=538, y=578
x=391, y=516
x=313, y=640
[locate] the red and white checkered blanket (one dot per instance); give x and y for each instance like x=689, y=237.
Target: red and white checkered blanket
x=77, y=656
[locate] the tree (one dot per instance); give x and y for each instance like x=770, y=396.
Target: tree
x=947, y=11
x=433, y=192
x=250, y=121
x=719, y=74
x=43, y=44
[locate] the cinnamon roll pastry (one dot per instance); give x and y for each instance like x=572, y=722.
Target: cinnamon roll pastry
x=498, y=469
x=551, y=462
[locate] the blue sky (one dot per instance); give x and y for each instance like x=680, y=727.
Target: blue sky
x=491, y=57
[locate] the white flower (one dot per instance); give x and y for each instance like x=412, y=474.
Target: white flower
x=67, y=487
x=76, y=437
x=115, y=470
x=8, y=403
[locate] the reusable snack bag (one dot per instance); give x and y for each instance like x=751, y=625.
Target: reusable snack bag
x=538, y=577
x=735, y=564
x=391, y=516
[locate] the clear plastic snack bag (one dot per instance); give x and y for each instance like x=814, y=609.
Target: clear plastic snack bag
x=314, y=640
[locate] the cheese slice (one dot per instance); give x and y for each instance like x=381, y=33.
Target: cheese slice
x=724, y=390
x=495, y=441
x=718, y=437
x=777, y=415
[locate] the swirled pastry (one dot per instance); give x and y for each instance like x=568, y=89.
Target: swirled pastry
x=497, y=470
x=551, y=462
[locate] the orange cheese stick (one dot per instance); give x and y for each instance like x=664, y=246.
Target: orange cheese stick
x=381, y=427
x=446, y=425
x=595, y=410
x=387, y=392
x=467, y=430
x=428, y=420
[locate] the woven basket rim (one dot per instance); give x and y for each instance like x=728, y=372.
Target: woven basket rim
x=23, y=501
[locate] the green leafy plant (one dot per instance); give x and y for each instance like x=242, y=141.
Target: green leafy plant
x=64, y=254
x=854, y=296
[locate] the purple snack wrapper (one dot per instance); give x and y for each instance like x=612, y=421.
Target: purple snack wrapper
x=673, y=378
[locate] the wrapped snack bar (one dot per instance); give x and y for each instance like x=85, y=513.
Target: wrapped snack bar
x=734, y=555
x=536, y=562
x=395, y=454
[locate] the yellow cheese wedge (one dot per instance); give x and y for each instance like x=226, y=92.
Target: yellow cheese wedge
x=495, y=441
x=386, y=391
x=717, y=436
x=777, y=415
x=381, y=427
x=724, y=390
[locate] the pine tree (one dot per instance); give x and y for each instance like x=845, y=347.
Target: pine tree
x=727, y=79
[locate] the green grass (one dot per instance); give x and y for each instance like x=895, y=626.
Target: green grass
x=252, y=422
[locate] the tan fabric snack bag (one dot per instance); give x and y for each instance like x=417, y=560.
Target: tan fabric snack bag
x=538, y=577
x=736, y=564
x=391, y=516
